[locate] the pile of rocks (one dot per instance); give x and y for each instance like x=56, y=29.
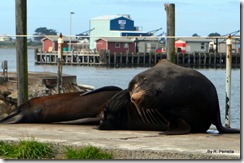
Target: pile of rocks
x=36, y=88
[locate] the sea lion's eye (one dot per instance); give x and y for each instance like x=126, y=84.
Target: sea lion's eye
x=136, y=86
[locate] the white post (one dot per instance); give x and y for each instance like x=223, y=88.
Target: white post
x=228, y=80
x=60, y=56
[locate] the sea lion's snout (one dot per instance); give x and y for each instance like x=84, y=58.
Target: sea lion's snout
x=137, y=97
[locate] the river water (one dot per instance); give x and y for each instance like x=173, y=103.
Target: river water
x=103, y=76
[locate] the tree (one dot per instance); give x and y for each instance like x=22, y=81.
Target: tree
x=41, y=31
x=195, y=34
x=214, y=34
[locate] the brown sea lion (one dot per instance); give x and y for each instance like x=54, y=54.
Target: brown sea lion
x=61, y=107
x=166, y=97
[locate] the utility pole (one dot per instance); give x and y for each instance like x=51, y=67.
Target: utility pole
x=170, y=41
x=21, y=50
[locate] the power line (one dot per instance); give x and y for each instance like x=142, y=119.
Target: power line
x=56, y=36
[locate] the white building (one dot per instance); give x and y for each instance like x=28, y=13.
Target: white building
x=5, y=38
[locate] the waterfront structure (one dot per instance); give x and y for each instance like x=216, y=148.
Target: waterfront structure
x=115, y=45
x=50, y=44
x=147, y=44
x=190, y=45
x=195, y=59
x=113, y=26
x=221, y=45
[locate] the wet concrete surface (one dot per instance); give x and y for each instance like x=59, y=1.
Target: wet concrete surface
x=130, y=144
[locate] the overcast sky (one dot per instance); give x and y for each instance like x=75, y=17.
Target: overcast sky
x=192, y=16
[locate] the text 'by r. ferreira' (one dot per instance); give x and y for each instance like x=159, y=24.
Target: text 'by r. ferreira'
x=220, y=151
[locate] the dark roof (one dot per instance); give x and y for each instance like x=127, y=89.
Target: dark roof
x=115, y=39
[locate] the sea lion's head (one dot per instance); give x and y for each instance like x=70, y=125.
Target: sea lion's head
x=145, y=90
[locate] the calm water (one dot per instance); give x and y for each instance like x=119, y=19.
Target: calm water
x=101, y=76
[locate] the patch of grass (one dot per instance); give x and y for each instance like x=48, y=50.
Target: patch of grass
x=87, y=152
x=26, y=149
x=6, y=150
x=31, y=149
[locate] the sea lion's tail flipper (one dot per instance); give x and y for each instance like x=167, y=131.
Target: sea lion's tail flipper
x=223, y=129
x=13, y=117
x=218, y=124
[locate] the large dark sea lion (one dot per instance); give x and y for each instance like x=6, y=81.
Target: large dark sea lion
x=166, y=97
x=62, y=107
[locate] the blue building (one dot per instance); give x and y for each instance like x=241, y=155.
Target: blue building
x=113, y=26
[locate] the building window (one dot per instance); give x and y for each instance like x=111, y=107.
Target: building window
x=122, y=24
x=126, y=45
x=117, y=45
x=202, y=45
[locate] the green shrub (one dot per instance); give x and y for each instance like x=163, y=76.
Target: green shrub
x=88, y=152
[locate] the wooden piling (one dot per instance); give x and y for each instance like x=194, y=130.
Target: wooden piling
x=170, y=49
x=21, y=51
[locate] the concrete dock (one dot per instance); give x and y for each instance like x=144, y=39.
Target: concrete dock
x=130, y=144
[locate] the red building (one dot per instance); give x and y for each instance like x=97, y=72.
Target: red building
x=180, y=46
x=115, y=45
x=51, y=44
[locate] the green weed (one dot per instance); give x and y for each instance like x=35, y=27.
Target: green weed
x=32, y=149
x=26, y=149
x=6, y=150
x=88, y=152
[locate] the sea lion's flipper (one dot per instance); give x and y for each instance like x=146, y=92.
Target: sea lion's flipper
x=118, y=101
x=106, y=88
x=83, y=121
x=11, y=116
x=180, y=127
x=15, y=119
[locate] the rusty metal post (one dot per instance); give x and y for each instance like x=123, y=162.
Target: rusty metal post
x=60, y=57
x=228, y=80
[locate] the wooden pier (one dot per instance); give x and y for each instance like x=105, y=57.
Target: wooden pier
x=197, y=59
